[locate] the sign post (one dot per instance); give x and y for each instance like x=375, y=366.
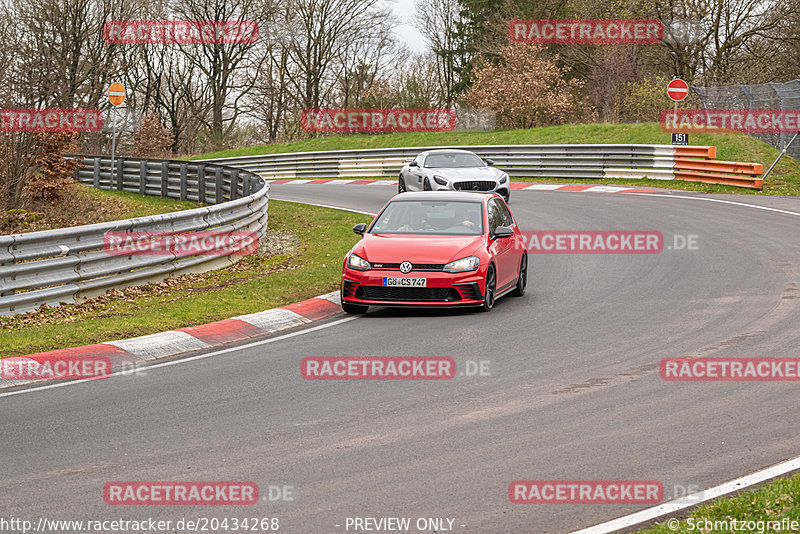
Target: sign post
x=116, y=95
x=677, y=90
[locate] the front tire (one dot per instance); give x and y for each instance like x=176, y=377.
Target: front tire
x=426, y=186
x=401, y=185
x=354, y=309
x=489, y=289
x=522, y=280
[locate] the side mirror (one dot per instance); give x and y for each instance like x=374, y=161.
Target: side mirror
x=489, y=162
x=503, y=232
x=413, y=164
x=360, y=228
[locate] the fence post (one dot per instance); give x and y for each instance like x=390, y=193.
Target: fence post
x=164, y=179
x=143, y=177
x=96, y=172
x=120, y=173
x=201, y=183
x=218, y=186
x=184, y=172
x=234, y=184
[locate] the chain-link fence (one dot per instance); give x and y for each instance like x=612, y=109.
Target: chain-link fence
x=758, y=96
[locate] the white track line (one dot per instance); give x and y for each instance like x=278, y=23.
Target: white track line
x=326, y=206
x=765, y=208
x=190, y=359
x=693, y=500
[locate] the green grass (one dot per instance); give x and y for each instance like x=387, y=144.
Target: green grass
x=256, y=283
x=135, y=205
x=785, y=179
x=774, y=501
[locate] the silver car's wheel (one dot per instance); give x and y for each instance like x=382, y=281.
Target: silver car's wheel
x=426, y=186
x=401, y=185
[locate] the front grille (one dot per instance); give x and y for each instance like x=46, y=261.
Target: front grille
x=417, y=266
x=417, y=294
x=482, y=185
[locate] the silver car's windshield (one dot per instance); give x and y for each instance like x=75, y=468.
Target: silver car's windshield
x=453, y=160
x=430, y=218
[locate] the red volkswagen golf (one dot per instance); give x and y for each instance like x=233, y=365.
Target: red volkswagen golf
x=436, y=249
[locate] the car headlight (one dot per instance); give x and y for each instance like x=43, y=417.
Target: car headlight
x=358, y=263
x=462, y=265
x=503, y=178
x=439, y=180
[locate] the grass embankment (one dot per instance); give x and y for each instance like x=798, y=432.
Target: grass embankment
x=80, y=205
x=776, y=501
x=305, y=245
x=784, y=180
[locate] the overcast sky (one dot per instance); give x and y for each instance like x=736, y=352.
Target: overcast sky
x=406, y=32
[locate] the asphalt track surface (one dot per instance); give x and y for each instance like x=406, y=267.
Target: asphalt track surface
x=574, y=391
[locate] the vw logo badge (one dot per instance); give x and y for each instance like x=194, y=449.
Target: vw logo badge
x=406, y=267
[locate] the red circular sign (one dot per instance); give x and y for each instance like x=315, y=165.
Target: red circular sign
x=677, y=89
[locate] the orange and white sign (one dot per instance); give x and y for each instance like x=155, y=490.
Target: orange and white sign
x=116, y=94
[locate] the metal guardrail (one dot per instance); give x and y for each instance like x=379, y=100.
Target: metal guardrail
x=554, y=161
x=581, y=162
x=70, y=264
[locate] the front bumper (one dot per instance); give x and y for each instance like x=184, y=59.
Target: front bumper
x=443, y=289
x=474, y=186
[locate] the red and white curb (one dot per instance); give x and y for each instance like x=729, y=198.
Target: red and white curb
x=519, y=186
x=126, y=352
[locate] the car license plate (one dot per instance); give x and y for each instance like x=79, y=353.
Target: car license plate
x=403, y=281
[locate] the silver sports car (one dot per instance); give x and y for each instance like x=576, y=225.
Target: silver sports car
x=454, y=170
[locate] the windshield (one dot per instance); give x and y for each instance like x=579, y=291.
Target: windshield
x=453, y=160
x=430, y=218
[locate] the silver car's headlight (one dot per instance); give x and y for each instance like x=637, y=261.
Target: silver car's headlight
x=463, y=265
x=358, y=263
x=439, y=179
x=503, y=178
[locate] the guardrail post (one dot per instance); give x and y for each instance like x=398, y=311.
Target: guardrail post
x=218, y=186
x=201, y=183
x=164, y=179
x=246, y=185
x=120, y=163
x=8, y=292
x=143, y=177
x=96, y=172
x=234, y=184
x=184, y=172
